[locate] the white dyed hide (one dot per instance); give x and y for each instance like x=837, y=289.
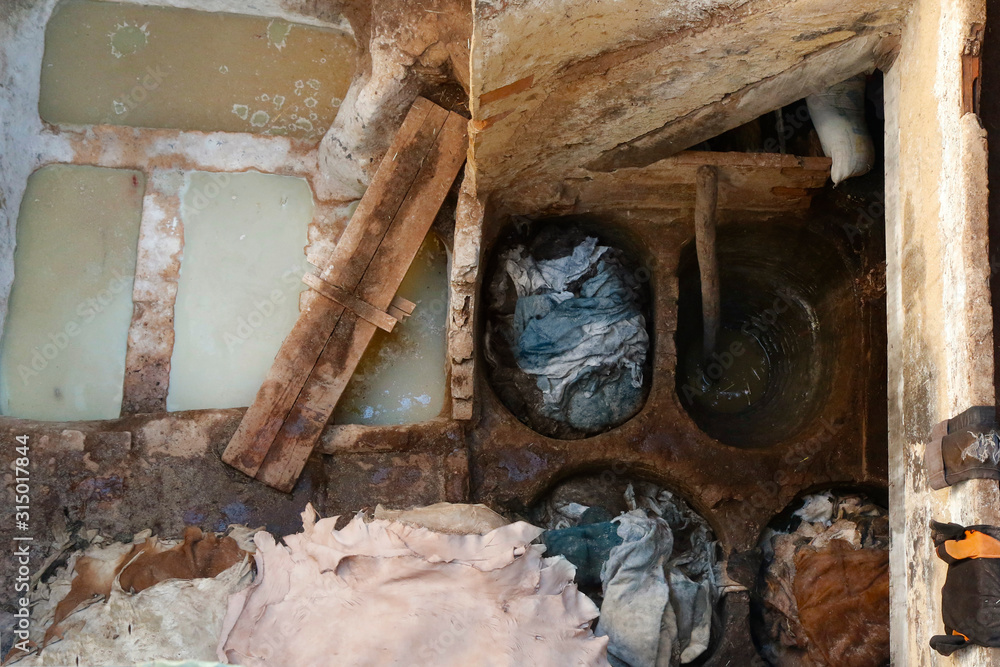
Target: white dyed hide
x=385, y=593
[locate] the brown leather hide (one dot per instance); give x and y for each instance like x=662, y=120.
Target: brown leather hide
x=200, y=555
x=843, y=599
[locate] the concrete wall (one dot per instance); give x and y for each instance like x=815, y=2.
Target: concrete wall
x=940, y=331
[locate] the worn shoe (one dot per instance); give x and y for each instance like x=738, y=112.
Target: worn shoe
x=964, y=447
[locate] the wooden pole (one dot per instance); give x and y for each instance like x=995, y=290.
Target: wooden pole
x=705, y=203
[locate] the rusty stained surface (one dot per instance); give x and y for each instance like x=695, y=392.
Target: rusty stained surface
x=164, y=471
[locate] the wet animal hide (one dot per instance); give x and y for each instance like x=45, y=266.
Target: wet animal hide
x=200, y=555
x=386, y=593
x=453, y=518
x=843, y=601
x=828, y=529
x=177, y=619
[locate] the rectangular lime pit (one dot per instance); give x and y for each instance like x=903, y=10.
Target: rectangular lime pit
x=124, y=64
x=62, y=355
x=401, y=378
x=238, y=293
x=238, y=297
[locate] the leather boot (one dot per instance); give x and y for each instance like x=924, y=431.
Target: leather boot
x=964, y=447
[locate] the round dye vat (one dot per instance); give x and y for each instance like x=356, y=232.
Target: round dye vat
x=789, y=318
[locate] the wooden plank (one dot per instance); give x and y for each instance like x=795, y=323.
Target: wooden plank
x=354, y=249
x=401, y=308
x=465, y=268
x=747, y=182
x=695, y=118
x=340, y=296
x=303, y=346
x=972, y=69
x=402, y=241
x=301, y=431
x=402, y=304
x=296, y=439
x=397, y=314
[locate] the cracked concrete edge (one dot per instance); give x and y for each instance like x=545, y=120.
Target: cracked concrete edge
x=464, y=285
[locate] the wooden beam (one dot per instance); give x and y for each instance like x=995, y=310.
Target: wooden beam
x=464, y=286
x=972, y=69
x=328, y=379
x=747, y=182
x=403, y=305
x=706, y=200
x=302, y=348
x=648, y=82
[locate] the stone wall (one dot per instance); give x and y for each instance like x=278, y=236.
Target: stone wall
x=939, y=310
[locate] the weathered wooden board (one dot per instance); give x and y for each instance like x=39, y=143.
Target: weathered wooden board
x=465, y=271
x=302, y=347
x=747, y=182
x=318, y=398
x=428, y=150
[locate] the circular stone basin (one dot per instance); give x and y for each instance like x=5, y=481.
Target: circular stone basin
x=567, y=331
x=822, y=595
x=789, y=318
x=618, y=530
